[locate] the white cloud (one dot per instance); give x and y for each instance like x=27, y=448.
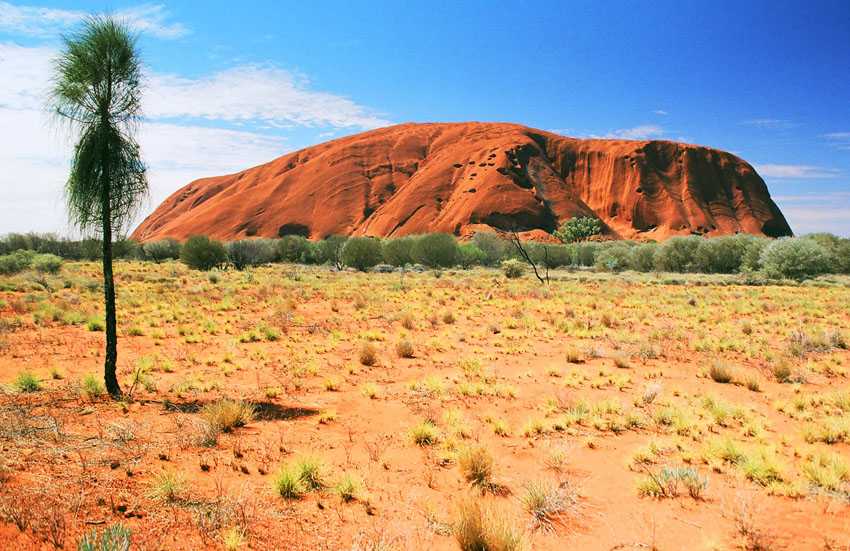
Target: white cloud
x=800, y=172
x=642, y=132
x=254, y=93
x=25, y=76
x=35, y=163
x=661, y=112
x=770, y=124
x=151, y=19
x=34, y=156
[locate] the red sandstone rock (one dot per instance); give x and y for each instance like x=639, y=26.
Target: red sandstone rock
x=465, y=177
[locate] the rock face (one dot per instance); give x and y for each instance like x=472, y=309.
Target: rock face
x=465, y=177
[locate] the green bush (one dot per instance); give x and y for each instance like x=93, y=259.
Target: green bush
x=164, y=249
x=677, y=254
x=579, y=228
x=614, y=258
x=584, y=254
x=794, y=258
x=751, y=259
x=721, y=255
x=125, y=248
x=513, y=268
x=15, y=262
x=47, y=263
x=838, y=248
x=549, y=255
x=398, y=252
x=361, y=253
x=495, y=248
x=330, y=250
x=470, y=255
x=250, y=252
x=643, y=257
x=202, y=253
x=435, y=250
x=293, y=248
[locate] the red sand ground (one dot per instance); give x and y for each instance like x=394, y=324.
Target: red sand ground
x=463, y=177
x=71, y=454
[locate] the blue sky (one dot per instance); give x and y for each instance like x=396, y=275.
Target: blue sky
x=232, y=85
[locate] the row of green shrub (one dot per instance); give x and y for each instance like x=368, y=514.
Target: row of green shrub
x=18, y=261
x=794, y=258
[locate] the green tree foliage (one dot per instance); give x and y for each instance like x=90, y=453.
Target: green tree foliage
x=361, y=253
x=470, y=255
x=615, y=257
x=643, y=257
x=398, y=252
x=495, y=248
x=251, y=252
x=15, y=262
x=677, y=254
x=330, y=250
x=202, y=253
x=435, y=250
x=164, y=249
x=795, y=258
x=293, y=248
x=47, y=263
x=97, y=91
x=579, y=228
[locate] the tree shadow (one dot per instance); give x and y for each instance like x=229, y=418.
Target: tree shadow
x=263, y=410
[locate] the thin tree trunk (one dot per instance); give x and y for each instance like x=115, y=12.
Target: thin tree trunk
x=110, y=379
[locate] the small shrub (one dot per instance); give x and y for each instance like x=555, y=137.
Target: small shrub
x=404, y=349
x=225, y=415
x=202, y=253
x=311, y=470
x=642, y=257
x=15, y=262
x=291, y=248
x=288, y=483
x=666, y=483
x=26, y=381
x=476, y=466
x=368, y=354
x=349, y=488
x=250, y=252
x=547, y=502
x=329, y=250
x=794, y=258
x=495, y=248
x=425, y=434
x=91, y=387
x=167, y=486
x=361, y=253
x=513, y=268
x=781, y=371
x=469, y=255
x=579, y=228
x=397, y=252
x=480, y=527
x=721, y=373
x=614, y=258
x=47, y=263
x=164, y=249
x=115, y=537
x=95, y=325
x=435, y=250
x=677, y=254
